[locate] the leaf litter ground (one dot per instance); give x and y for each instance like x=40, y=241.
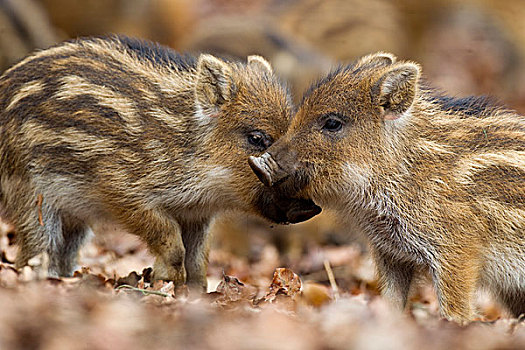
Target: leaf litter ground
x=327, y=298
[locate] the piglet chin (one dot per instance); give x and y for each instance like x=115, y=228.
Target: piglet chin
x=285, y=210
x=303, y=212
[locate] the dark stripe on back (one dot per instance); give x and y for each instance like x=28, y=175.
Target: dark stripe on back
x=96, y=121
x=64, y=160
x=40, y=68
x=479, y=106
x=156, y=53
x=59, y=114
x=505, y=184
x=492, y=138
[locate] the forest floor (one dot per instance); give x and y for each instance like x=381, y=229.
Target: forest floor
x=328, y=299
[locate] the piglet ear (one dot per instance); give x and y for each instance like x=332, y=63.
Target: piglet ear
x=214, y=84
x=258, y=61
x=397, y=89
x=376, y=60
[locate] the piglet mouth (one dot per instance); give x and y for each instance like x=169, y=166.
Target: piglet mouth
x=304, y=209
x=285, y=210
x=280, y=200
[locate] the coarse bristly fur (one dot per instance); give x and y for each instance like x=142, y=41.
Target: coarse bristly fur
x=128, y=132
x=436, y=183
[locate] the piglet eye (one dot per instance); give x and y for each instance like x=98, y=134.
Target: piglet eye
x=258, y=139
x=332, y=124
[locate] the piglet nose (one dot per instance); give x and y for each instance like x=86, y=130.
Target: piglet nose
x=262, y=167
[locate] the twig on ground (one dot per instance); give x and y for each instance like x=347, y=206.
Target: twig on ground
x=331, y=278
x=143, y=291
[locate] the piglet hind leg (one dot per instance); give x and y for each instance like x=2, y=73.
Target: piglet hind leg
x=63, y=253
x=34, y=238
x=38, y=226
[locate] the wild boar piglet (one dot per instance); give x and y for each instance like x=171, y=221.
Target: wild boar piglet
x=128, y=132
x=436, y=183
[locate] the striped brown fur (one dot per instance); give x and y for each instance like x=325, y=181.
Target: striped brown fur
x=436, y=183
x=131, y=133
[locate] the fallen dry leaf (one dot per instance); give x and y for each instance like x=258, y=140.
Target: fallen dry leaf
x=284, y=282
x=132, y=280
x=230, y=290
